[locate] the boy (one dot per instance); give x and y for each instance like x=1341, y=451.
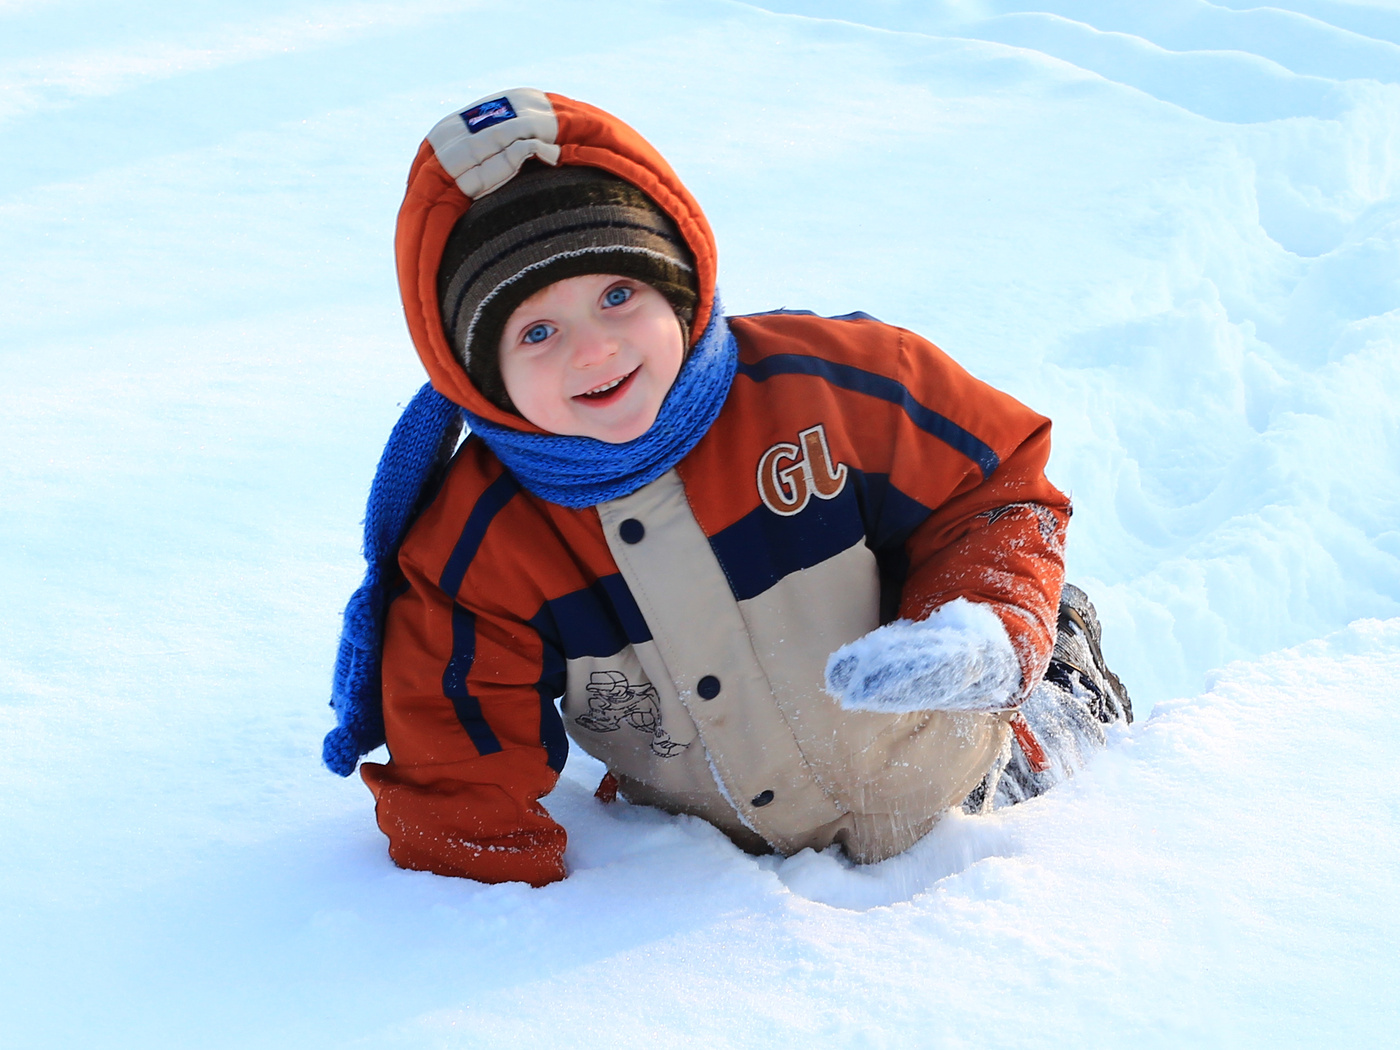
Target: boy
x=793, y=575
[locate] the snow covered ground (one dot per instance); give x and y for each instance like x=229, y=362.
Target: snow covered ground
x=1172, y=225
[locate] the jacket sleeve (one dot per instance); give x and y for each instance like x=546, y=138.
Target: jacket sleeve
x=997, y=528
x=470, y=722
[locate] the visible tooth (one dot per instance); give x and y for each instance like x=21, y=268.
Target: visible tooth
x=607, y=386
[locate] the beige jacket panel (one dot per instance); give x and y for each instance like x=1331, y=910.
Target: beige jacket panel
x=769, y=750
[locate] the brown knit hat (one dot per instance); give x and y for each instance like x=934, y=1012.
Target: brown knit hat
x=544, y=225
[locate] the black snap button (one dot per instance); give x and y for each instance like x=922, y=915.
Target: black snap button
x=631, y=531
x=708, y=687
x=762, y=799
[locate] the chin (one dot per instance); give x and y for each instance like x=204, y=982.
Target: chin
x=622, y=436
x=621, y=433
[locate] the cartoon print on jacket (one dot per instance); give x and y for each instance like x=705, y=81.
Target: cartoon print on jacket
x=613, y=700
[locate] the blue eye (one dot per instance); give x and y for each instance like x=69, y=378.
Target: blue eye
x=617, y=296
x=537, y=333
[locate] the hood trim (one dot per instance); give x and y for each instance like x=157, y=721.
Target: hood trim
x=485, y=159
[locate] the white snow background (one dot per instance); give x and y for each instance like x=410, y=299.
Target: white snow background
x=1172, y=225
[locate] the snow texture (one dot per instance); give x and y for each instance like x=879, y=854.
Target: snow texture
x=1174, y=227
x=957, y=659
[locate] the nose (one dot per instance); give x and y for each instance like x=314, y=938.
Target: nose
x=593, y=344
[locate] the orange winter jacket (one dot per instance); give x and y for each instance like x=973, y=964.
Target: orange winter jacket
x=855, y=474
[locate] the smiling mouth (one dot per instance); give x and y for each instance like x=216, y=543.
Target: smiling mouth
x=607, y=390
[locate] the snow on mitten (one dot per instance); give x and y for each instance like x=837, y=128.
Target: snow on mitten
x=959, y=659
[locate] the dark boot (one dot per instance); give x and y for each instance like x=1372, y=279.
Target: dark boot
x=1067, y=711
x=1078, y=666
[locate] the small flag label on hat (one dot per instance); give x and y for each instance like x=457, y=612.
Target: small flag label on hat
x=487, y=114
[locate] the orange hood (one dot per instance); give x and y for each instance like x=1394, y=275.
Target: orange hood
x=478, y=149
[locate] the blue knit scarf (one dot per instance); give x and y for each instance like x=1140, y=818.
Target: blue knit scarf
x=572, y=471
x=583, y=471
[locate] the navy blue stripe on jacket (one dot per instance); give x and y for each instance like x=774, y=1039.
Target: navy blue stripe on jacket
x=492, y=501
x=551, y=686
x=600, y=620
x=454, y=683
x=762, y=548
x=459, y=665
x=858, y=380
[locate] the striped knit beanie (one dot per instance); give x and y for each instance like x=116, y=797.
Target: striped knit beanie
x=544, y=225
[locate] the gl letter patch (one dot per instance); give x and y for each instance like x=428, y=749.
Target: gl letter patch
x=790, y=475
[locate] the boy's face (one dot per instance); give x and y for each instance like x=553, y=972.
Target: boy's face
x=592, y=356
